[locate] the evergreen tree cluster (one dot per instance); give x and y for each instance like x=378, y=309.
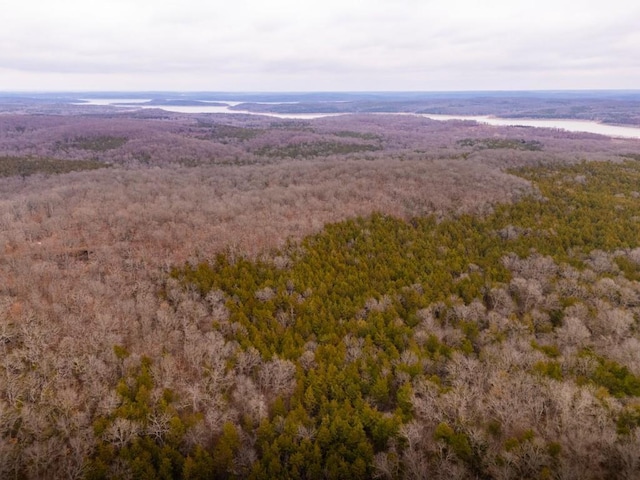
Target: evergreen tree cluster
x=372, y=319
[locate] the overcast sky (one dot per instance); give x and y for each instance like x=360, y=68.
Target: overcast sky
x=326, y=45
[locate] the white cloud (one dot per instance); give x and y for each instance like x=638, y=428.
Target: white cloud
x=343, y=45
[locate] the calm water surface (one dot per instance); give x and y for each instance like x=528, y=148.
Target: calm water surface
x=134, y=103
x=563, y=124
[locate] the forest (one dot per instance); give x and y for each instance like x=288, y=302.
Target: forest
x=217, y=296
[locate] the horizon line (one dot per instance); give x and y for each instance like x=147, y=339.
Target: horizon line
x=298, y=92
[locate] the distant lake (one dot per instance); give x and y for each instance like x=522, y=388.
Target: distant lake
x=562, y=124
x=208, y=109
x=136, y=103
x=110, y=101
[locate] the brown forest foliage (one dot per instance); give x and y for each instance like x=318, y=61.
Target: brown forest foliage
x=82, y=254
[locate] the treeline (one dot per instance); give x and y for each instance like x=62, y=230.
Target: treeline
x=142, y=139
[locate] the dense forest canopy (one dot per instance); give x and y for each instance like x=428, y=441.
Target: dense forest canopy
x=349, y=297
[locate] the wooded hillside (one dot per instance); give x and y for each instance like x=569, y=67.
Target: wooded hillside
x=349, y=297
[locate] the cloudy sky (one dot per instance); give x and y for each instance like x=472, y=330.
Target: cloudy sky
x=327, y=45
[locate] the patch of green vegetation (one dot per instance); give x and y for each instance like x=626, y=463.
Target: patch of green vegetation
x=100, y=143
x=515, y=442
x=628, y=420
x=631, y=270
x=225, y=133
x=616, y=378
x=458, y=442
x=293, y=125
x=551, y=351
x=362, y=135
x=155, y=451
x=549, y=369
x=499, y=143
x=316, y=149
x=25, y=166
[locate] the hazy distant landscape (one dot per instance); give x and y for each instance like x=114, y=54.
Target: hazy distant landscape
x=365, y=295
x=609, y=107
